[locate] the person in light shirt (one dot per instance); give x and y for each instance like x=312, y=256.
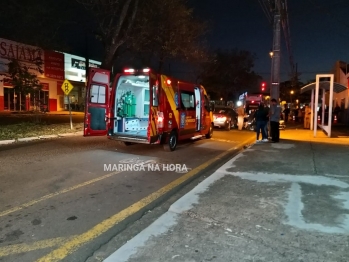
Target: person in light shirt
x=241, y=115
x=307, y=115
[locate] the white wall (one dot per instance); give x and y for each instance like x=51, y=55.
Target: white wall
x=75, y=67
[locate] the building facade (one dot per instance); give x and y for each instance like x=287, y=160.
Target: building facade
x=341, y=76
x=56, y=66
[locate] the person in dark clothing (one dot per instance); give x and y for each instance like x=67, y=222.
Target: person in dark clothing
x=275, y=112
x=295, y=112
x=267, y=127
x=286, y=113
x=261, y=120
x=336, y=112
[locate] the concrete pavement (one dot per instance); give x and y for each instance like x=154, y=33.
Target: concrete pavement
x=286, y=201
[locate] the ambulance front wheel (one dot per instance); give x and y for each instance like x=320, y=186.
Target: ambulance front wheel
x=171, y=143
x=210, y=132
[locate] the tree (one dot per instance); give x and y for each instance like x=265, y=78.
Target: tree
x=165, y=30
x=23, y=77
x=229, y=73
x=114, y=20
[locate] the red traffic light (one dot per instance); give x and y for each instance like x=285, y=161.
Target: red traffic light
x=263, y=85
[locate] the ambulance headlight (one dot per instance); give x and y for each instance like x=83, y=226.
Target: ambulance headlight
x=239, y=103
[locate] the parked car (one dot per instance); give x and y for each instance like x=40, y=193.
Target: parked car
x=225, y=117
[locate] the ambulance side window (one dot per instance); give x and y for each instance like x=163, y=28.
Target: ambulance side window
x=187, y=100
x=155, y=96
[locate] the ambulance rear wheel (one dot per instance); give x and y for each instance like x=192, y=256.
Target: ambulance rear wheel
x=171, y=143
x=210, y=132
x=125, y=143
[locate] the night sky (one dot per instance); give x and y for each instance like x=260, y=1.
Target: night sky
x=319, y=33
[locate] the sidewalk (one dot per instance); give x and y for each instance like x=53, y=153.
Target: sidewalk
x=65, y=113
x=48, y=113
x=286, y=201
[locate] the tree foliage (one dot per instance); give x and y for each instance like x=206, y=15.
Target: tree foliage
x=229, y=73
x=23, y=76
x=165, y=30
x=285, y=92
x=114, y=20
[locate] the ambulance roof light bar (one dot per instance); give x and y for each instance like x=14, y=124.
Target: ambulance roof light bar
x=129, y=70
x=146, y=70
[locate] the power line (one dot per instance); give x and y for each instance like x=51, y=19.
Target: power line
x=265, y=10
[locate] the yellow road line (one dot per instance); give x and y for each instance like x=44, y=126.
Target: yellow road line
x=24, y=248
x=73, y=244
x=35, y=201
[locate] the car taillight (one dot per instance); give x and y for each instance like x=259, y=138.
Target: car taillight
x=160, y=120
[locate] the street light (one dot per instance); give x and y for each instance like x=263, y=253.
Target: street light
x=291, y=93
x=271, y=53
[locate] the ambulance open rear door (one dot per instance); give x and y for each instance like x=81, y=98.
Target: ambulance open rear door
x=97, y=102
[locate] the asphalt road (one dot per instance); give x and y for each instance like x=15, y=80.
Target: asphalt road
x=62, y=199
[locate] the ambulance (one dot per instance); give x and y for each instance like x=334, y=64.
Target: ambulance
x=142, y=106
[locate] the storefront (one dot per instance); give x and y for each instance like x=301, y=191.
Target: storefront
x=56, y=66
x=52, y=65
x=75, y=72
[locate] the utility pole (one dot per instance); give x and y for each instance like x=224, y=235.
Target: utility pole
x=275, y=64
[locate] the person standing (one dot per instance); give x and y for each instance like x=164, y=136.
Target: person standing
x=295, y=112
x=261, y=120
x=336, y=112
x=307, y=115
x=274, y=115
x=241, y=115
x=267, y=124
x=286, y=113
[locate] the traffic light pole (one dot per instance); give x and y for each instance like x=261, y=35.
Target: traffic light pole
x=275, y=63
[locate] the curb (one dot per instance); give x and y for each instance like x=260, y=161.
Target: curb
x=6, y=142
x=28, y=139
